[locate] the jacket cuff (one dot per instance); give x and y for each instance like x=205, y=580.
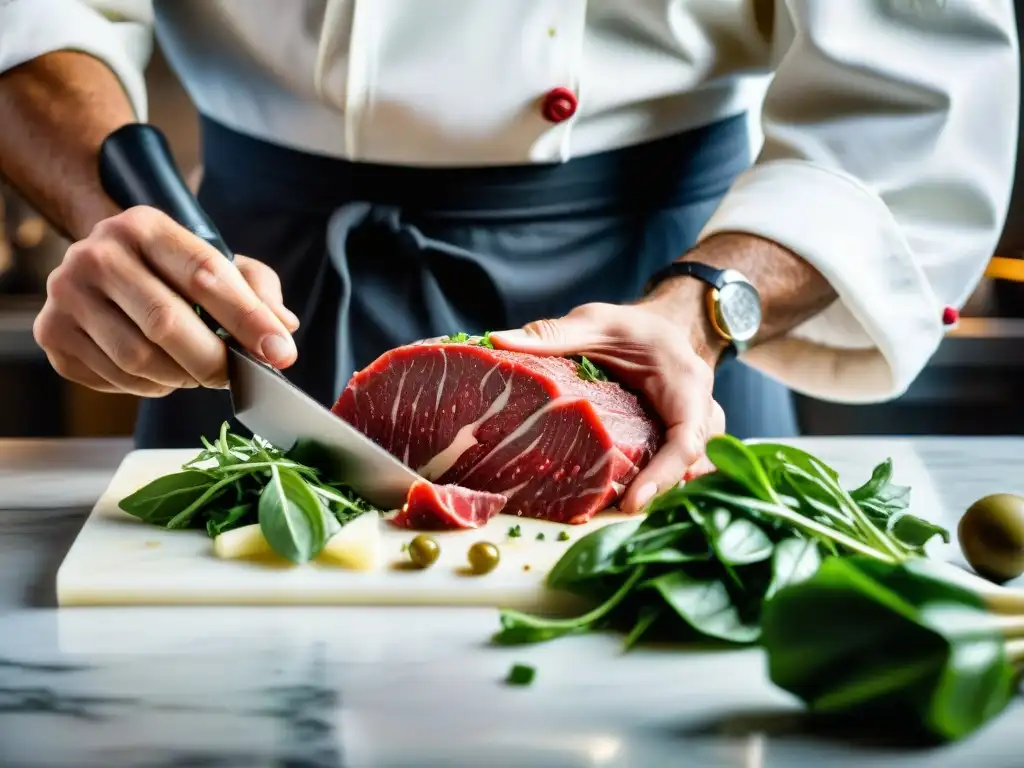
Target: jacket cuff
x=32, y=28
x=871, y=343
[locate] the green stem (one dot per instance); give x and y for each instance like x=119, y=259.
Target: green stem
x=181, y=519
x=853, y=508
x=596, y=613
x=808, y=526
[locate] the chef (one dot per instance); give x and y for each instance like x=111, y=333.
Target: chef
x=575, y=173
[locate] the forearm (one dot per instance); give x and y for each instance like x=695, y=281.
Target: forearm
x=57, y=110
x=792, y=291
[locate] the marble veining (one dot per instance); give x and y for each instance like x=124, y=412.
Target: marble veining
x=331, y=687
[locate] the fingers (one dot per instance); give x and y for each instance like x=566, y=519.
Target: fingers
x=196, y=270
x=267, y=285
x=164, y=320
x=126, y=347
x=76, y=357
x=582, y=330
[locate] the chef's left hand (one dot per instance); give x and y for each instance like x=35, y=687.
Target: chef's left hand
x=646, y=348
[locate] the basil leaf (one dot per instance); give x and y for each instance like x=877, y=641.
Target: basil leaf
x=164, y=498
x=704, y=604
x=291, y=517
x=795, y=560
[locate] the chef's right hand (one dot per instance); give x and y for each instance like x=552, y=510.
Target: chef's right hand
x=118, y=314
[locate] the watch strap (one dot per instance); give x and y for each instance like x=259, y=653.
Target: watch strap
x=708, y=274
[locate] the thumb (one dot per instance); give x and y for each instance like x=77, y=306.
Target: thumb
x=562, y=337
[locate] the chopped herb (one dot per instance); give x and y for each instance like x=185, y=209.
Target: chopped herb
x=540, y=536
x=563, y=535
x=521, y=674
x=515, y=532
x=587, y=371
x=236, y=481
x=464, y=338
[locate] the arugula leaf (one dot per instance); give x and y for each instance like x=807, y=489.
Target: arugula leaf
x=161, y=500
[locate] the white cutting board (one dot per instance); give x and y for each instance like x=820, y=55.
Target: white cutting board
x=119, y=560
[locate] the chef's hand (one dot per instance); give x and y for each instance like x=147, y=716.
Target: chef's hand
x=118, y=314
x=647, y=350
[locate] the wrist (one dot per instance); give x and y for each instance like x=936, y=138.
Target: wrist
x=684, y=302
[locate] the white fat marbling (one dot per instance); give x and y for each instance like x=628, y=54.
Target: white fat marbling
x=400, y=687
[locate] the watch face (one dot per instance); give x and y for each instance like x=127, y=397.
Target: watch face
x=739, y=309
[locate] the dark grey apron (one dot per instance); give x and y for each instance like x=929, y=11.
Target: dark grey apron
x=372, y=256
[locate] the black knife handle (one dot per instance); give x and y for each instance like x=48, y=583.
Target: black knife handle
x=137, y=168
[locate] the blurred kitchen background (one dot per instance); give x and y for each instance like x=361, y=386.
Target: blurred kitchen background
x=972, y=386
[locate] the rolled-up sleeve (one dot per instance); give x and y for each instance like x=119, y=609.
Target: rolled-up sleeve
x=890, y=144
x=117, y=32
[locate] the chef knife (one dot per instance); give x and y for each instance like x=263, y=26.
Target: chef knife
x=136, y=168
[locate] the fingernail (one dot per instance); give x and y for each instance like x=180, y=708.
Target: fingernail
x=645, y=494
x=278, y=349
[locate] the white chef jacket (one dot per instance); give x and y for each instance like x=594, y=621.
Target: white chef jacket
x=890, y=126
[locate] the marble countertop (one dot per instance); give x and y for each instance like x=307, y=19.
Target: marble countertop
x=362, y=687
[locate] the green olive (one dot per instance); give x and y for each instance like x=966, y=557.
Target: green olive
x=483, y=557
x=991, y=535
x=424, y=551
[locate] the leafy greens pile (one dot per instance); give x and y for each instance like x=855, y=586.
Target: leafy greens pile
x=708, y=555
x=238, y=481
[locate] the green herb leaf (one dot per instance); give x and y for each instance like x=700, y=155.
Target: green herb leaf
x=161, y=500
x=587, y=371
x=521, y=674
x=900, y=642
x=794, y=560
x=518, y=628
x=219, y=521
x=734, y=459
x=704, y=604
x=914, y=532
x=738, y=540
x=591, y=556
x=291, y=517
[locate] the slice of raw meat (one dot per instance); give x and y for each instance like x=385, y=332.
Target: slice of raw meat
x=430, y=507
x=559, y=447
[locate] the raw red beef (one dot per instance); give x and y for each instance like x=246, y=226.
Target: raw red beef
x=430, y=507
x=529, y=428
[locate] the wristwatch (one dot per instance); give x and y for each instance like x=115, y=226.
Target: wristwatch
x=733, y=303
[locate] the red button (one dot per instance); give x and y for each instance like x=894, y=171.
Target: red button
x=950, y=316
x=559, y=104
